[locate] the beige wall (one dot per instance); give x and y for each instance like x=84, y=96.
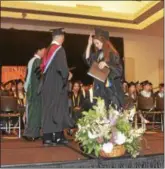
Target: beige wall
x=144, y=58
x=143, y=54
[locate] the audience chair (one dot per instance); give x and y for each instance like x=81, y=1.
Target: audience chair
x=9, y=110
x=146, y=107
x=160, y=110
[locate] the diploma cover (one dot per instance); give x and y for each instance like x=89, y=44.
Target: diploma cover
x=97, y=73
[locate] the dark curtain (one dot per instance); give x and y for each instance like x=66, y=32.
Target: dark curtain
x=18, y=46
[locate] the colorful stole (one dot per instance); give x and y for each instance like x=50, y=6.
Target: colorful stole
x=49, y=56
x=74, y=102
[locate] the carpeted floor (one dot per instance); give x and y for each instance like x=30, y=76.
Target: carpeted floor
x=19, y=151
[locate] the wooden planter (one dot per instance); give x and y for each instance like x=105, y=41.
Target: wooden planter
x=117, y=151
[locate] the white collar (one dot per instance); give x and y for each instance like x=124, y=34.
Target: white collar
x=37, y=56
x=55, y=42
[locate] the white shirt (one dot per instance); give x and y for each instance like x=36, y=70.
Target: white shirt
x=145, y=93
x=161, y=94
x=91, y=95
x=55, y=42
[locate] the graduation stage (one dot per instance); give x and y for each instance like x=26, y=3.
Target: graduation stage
x=21, y=153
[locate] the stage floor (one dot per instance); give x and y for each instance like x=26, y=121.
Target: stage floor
x=19, y=151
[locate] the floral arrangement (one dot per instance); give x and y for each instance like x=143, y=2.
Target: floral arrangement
x=101, y=130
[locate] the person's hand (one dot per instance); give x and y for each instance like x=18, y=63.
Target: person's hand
x=77, y=108
x=102, y=65
x=90, y=40
x=70, y=76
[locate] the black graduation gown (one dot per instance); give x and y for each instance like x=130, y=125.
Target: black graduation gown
x=77, y=102
x=55, y=95
x=114, y=94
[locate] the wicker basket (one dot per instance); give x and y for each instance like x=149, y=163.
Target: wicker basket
x=117, y=151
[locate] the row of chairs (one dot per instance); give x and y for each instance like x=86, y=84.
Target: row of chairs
x=9, y=110
x=145, y=106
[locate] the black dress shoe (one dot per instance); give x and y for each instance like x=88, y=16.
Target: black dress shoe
x=47, y=143
x=64, y=140
x=61, y=141
x=29, y=138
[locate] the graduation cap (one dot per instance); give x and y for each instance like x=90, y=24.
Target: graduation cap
x=131, y=84
x=161, y=85
x=141, y=83
x=150, y=83
x=136, y=83
x=100, y=32
x=59, y=31
x=146, y=82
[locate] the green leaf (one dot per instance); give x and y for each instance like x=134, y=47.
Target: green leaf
x=90, y=148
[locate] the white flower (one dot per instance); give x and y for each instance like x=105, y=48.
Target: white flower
x=137, y=132
x=116, y=112
x=92, y=136
x=79, y=126
x=119, y=138
x=107, y=147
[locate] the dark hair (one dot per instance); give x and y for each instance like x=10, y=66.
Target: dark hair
x=77, y=82
x=107, y=47
x=161, y=85
x=23, y=90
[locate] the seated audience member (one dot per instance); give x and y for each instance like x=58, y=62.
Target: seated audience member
x=88, y=101
x=77, y=101
x=160, y=92
x=131, y=99
x=6, y=89
x=3, y=92
x=20, y=95
x=147, y=90
x=138, y=87
x=13, y=89
x=132, y=91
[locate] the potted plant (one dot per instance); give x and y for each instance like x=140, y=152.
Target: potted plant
x=108, y=133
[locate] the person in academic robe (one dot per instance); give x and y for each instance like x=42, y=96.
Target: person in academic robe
x=132, y=91
x=77, y=101
x=19, y=94
x=160, y=92
x=33, y=114
x=147, y=89
x=54, y=91
x=107, y=56
x=147, y=93
x=131, y=100
x=138, y=87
